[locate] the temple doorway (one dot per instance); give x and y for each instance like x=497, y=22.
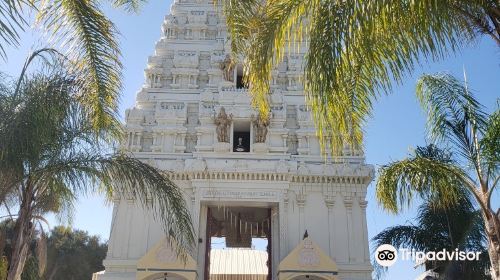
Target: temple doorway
x=239, y=243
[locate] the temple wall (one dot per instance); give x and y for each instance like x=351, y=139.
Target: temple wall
x=331, y=215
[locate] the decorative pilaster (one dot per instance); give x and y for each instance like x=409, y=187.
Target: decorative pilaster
x=158, y=142
x=129, y=214
x=329, y=196
x=363, y=204
x=202, y=230
x=275, y=226
x=129, y=139
x=283, y=213
x=301, y=202
x=284, y=137
x=195, y=210
x=112, y=237
x=136, y=142
x=348, y=207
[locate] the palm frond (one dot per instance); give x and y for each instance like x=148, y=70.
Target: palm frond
x=129, y=5
x=128, y=178
x=259, y=32
x=402, y=236
x=56, y=199
x=89, y=37
x=436, y=228
x=52, y=143
x=36, y=122
x=354, y=50
x=453, y=113
x=490, y=144
x=12, y=21
x=457, y=226
x=425, y=177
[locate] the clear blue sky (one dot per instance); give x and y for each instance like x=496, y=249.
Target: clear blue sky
x=397, y=124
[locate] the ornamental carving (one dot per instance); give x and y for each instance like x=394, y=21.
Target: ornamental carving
x=260, y=127
x=223, y=122
x=232, y=194
x=172, y=105
x=227, y=67
x=186, y=59
x=197, y=17
x=307, y=255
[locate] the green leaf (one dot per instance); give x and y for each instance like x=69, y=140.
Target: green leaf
x=429, y=178
x=90, y=41
x=355, y=50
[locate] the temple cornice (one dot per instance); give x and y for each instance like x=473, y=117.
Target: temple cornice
x=261, y=176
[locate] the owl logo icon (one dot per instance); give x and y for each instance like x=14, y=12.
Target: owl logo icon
x=386, y=255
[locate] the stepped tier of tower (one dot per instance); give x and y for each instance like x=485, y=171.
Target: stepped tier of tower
x=186, y=86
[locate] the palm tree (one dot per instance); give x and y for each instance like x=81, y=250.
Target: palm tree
x=37, y=252
x=50, y=155
x=437, y=228
x=354, y=50
x=455, y=120
x=89, y=39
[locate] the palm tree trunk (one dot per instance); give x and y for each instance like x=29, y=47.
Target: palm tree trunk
x=23, y=233
x=492, y=224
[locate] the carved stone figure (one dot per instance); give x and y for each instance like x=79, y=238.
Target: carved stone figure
x=240, y=147
x=227, y=68
x=191, y=140
x=223, y=121
x=292, y=143
x=260, y=127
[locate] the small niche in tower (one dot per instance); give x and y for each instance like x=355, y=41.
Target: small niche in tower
x=239, y=77
x=241, y=137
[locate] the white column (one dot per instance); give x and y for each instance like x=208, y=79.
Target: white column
x=363, y=204
x=128, y=139
x=126, y=233
x=284, y=137
x=112, y=236
x=198, y=140
x=148, y=244
x=301, y=201
x=330, y=204
x=283, y=213
x=275, y=240
x=348, y=206
x=202, y=218
x=162, y=141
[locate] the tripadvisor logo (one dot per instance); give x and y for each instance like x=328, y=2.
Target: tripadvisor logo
x=386, y=255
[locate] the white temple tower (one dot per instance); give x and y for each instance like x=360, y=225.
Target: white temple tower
x=274, y=178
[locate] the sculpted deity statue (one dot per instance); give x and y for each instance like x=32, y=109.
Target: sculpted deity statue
x=223, y=121
x=227, y=68
x=260, y=127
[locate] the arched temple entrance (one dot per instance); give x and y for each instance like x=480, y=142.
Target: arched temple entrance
x=241, y=230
